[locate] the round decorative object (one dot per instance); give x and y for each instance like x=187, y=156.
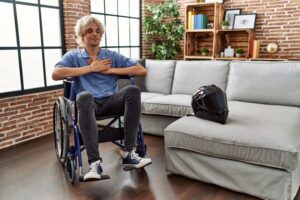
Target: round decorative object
x=272, y=47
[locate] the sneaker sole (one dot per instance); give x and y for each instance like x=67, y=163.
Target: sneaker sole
x=102, y=177
x=128, y=167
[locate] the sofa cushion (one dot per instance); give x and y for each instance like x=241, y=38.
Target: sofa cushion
x=148, y=95
x=190, y=75
x=255, y=133
x=265, y=82
x=160, y=76
x=170, y=105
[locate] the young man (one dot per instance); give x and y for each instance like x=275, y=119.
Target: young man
x=96, y=73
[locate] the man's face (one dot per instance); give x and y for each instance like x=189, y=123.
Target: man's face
x=92, y=36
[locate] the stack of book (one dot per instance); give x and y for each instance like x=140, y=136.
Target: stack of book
x=200, y=21
x=196, y=21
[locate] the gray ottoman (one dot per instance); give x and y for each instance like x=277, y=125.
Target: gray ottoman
x=255, y=152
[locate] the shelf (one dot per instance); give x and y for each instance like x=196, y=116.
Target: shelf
x=236, y=30
x=198, y=57
x=199, y=30
x=267, y=59
x=231, y=58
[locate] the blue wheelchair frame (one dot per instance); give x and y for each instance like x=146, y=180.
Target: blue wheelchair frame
x=65, y=120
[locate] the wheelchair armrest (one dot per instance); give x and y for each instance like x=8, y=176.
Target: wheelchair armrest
x=69, y=89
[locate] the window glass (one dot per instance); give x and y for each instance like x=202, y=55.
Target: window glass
x=125, y=52
x=124, y=7
x=34, y=19
x=7, y=22
x=51, y=58
x=135, y=52
x=135, y=8
x=135, y=32
x=28, y=1
x=122, y=22
x=50, y=2
x=112, y=31
x=124, y=31
x=29, y=32
x=114, y=49
x=111, y=7
x=32, y=66
x=51, y=32
x=97, y=6
x=10, y=73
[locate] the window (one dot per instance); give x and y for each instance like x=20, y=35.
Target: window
x=122, y=21
x=31, y=42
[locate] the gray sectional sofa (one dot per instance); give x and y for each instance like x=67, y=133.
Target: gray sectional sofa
x=256, y=151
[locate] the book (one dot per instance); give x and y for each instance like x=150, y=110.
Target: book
x=256, y=46
x=200, y=21
x=251, y=43
x=191, y=20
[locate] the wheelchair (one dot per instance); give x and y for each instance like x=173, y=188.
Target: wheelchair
x=68, y=142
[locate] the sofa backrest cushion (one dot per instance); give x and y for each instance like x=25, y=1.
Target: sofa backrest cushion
x=160, y=76
x=190, y=75
x=265, y=82
x=139, y=80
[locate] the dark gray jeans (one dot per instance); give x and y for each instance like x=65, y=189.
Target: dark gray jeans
x=126, y=101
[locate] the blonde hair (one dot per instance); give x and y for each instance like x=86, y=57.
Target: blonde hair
x=83, y=24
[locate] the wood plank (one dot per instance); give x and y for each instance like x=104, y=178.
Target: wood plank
x=31, y=171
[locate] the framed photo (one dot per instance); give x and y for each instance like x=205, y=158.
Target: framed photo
x=244, y=21
x=229, y=16
x=213, y=1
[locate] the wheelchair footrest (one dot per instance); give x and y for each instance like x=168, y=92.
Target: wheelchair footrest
x=103, y=177
x=108, y=134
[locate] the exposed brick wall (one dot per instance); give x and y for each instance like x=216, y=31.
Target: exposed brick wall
x=26, y=117
x=277, y=21
x=73, y=10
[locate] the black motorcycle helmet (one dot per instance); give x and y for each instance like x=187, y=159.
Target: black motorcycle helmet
x=209, y=102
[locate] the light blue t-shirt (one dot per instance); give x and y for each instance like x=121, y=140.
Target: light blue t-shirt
x=99, y=85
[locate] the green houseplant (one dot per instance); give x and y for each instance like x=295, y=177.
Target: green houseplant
x=225, y=24
x=239, y=52
x=204, y=52
x=164, y=27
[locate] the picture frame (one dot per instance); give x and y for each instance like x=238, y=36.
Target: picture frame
x=229, y=16
x=244, y=21
x=214, y=1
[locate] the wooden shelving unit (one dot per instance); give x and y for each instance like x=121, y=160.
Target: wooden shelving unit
x=215, y=39
x=195, y=40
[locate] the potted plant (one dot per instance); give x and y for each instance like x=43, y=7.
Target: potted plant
x=164, y=29
x=239, y=52
x=204, y=52
x=225, y=24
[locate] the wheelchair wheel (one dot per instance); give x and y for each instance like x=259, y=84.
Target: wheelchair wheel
x=61, y=132
x=71, y=168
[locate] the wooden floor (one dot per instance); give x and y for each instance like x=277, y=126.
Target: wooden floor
x=30, y=171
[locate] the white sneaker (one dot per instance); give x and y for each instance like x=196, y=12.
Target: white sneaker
x=131, y=160
x=94, y=172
